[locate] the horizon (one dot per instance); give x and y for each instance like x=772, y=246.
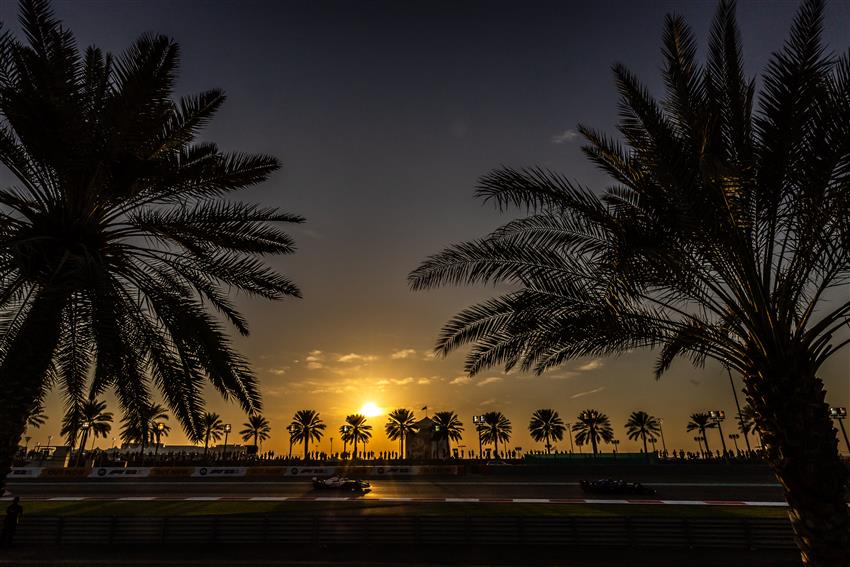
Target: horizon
x=384, y=118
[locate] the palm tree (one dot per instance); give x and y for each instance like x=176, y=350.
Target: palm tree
x=701, y=421
x=593, y=426
x=724, y=230
x=496, y=427
x=399, y=426
x=211, y=428
x=140, y=425
x=91, y=417
x=116, y=247
x=450, y=426
x=359, y=432
x=257, y=428
x=306, y=426
x=37, y=418
x=641, y=425
x=546, y=425
x=344, y=435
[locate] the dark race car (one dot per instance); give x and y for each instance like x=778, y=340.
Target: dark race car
x=341, y=483
x=609, y=486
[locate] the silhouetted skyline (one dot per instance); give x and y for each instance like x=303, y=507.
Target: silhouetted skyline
x=384, y=115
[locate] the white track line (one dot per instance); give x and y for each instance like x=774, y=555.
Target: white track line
x=270, y=498
x=136, y=498
x=203, y=498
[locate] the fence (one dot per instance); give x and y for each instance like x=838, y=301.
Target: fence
x=729, y=533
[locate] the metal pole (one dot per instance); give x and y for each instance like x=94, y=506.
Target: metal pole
x=844, y=431
x=738, y=405
x=722, y=440
x=661, y=431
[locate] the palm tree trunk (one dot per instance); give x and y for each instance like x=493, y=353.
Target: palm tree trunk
x=306, y=445
x=593, y=443
x=495, y=447
x=23, y=370
x=705, y=440
x=801, y=446
x=643, y=435
x=206, y=443
x=548, y=449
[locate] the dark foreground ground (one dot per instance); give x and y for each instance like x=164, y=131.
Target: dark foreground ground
x=391, y=555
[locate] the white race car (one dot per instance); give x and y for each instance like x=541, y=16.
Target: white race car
x=342, y=483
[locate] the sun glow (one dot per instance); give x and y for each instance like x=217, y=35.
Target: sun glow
x=370, y=409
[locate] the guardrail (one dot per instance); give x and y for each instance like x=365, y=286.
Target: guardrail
x=729, y=533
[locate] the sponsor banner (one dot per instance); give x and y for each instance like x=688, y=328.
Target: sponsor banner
x=120, y=472
x=205, y=472
x=25, y=472
x=381, y=470
x=309, y=471
x=171, y=472
x=65, y=473
x=266, y=471
x=438, y=469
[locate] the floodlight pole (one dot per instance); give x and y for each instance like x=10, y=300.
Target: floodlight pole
x=840, y=414
x=738, y=405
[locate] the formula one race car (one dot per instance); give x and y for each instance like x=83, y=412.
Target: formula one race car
x=342, y=483
x=609, y=486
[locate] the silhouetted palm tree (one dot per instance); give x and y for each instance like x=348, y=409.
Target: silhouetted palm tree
x=701, y=421
x=212, y=428
x=399, y=426
x=724, y=229
x=257, y=428
x=450, y=426
x=345, y=436
x=592, y=426
x=37, y=418
x=641, y=425
x=116, y=248
x=306, y=426
x=139, y=425
x=496, y=427
x=360, y=430
x=546, y=425
x=91, y=417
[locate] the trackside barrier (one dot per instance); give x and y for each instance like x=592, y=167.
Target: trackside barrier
x=309, y=471
x=660, y=533
x=25, y=472
x=120, y=472
x=172, y=472
x=207, y=472
x=266, y=471
x=65, y=473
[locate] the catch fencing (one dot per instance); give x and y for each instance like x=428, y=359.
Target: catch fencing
x=727, y=533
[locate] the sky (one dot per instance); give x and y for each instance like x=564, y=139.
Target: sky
x=384, y=115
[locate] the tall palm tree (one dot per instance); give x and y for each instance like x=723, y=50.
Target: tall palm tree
x=117, y=249
x=140, y=425
x=747, y=421
x=724, y=229
x=360, y=431
x=546, y=425
x=91, y=417
x=212, y=428
x=344, y=435
x=593, y=427
x=701, y=421
x=496, y=427
x=641, y=425
x=306, y=426
x=399, y=426
x=450, y=426
x=257, y=428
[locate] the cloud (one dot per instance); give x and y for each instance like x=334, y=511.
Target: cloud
x=587, y=393
x=423, y=381
x=460, y=381
x=278, y=371
x=429, y=356
x=564, y=137
x=315, y=353
x=563, y=376
x=592, y=365
x=354, y=357
x=382, y=382
x=489, y=402
x=312, y=365
x=490, y=380
x=403, y=353
x=403, y=381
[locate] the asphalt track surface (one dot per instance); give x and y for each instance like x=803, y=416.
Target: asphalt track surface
x=460, y=489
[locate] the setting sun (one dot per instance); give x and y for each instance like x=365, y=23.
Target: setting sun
x=369, y=409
